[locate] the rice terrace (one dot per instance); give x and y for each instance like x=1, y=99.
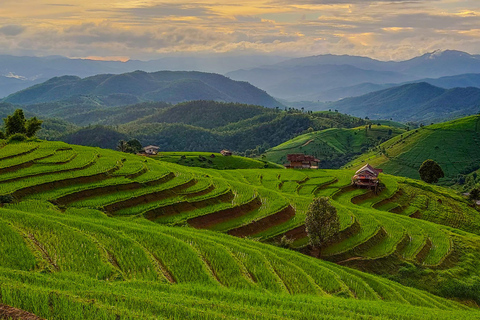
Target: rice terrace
x=227, y=160
x=93, y=233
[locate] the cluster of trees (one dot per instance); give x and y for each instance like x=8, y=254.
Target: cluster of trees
x=130, y=146
x=17, y=127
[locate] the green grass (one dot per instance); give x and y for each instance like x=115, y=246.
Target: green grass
x=213, y=160
x=124, y=251
x=333, y=147
x=454, y=145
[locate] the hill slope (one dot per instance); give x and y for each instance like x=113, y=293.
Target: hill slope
x=145, y=201
x=333, y=147
x=454, y=145
x=74, y=261
x=165, y=86
x=413, y=102
x=199, y=125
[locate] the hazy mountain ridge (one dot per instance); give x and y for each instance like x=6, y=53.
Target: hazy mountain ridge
x=20, y=72
x=325, y=77
x=167, y=86
x=413, y=102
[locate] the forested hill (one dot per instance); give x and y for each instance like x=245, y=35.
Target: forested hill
x=413, y=102
x=138, y=86
x=203, y=126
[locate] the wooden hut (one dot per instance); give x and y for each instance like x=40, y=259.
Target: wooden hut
x=301, y=161
x=151, y=150
x=366, y=177
x=226, y=153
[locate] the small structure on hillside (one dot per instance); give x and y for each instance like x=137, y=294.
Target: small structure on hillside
x=301, y=161
x=151, y=150
x=226, y=153
x=366, y=177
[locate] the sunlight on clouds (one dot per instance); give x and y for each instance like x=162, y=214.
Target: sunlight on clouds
x=144, y=28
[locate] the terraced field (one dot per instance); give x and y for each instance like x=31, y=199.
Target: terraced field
x=335, y=146
x=95, y=233
x=455, y=145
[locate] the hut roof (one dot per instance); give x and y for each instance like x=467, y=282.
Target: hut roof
x=151, y=147
x=368, y=168
x=300, y=157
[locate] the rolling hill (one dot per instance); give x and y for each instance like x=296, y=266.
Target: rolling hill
x=167, y=86
x=90, y=233
x=454, y=145
x=191, y=126
x=420, y=102
x=333, y=147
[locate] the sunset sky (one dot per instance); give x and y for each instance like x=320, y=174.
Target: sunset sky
x=147, y=29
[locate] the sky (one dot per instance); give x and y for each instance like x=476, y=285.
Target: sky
x=149, y=29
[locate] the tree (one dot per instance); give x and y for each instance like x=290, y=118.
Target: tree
x=15, y=123
x=430, y=171
x=122, y=146
x=321, y=222
x=32, y=126
x=474, y=194
x=134, y=145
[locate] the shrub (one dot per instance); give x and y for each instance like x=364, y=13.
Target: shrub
x=6, y=198
x=17, y=137
x=430, y=171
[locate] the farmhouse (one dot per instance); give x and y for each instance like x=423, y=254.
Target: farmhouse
x=366, y=177
x=151, y=150
x=226, y=153
x=301, y=161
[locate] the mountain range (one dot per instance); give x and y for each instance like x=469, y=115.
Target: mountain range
x=331, y=77
x=413, y=102
x=138, y=86
x=20, y=72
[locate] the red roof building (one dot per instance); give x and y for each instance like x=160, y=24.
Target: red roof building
x=301, y=161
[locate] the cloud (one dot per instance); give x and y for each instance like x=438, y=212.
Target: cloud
x=385, y=29
x=170, y=9
x=12, y=30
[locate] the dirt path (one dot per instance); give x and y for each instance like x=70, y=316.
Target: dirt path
x=307, y=143
x=7, y=312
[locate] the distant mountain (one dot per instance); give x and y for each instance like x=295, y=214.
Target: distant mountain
x=413, y=102
x=17, y=73
x=331, y=77
x=301, y=82
x=11, y=84
x=458, y=81
x=129, y=88
x=440, y=64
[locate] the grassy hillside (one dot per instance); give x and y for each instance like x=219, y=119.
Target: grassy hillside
x=88, y=233
x=334, y=147
x=214, y=161
x=130, y=88
x=454, y=145
x=406, y=232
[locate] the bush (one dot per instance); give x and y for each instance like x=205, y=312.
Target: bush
x=17, y=137
x=6, y=198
